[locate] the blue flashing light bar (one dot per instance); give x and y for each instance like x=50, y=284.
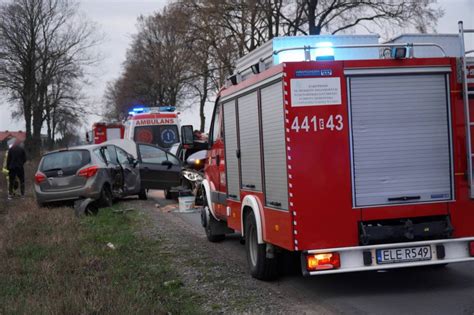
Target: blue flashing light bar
x=167, y=108
x=324, y=50
x=143, y=109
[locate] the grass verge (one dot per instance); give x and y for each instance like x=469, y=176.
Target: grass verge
x=52, y=262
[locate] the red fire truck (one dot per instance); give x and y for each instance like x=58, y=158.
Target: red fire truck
x=154, y=125
x=354, y=155
x=102, y=132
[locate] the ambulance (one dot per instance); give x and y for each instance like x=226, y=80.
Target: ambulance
x=153, y=125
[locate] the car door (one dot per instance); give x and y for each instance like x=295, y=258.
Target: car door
x=116, y=170
x=158, y=169
x=131, y=172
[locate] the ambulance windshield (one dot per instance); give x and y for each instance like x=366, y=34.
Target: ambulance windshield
x=163, y=136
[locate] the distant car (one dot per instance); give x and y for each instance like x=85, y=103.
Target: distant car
x=105, y=172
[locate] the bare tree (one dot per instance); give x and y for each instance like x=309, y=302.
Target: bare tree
x=333, y=16
x=157, y=66
x=43, y=41
x=190, y=48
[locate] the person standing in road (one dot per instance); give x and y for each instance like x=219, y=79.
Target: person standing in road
x=15, y=161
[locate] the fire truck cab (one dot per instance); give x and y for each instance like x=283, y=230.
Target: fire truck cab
x=153, y=125
x=352, y=154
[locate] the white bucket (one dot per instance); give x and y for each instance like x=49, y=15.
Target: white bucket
x=186, y=204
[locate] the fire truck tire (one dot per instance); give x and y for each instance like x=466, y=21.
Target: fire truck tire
x=106, y=198
x=260, y=266
x=208, y=222
x=210, y=234
x=142, y=195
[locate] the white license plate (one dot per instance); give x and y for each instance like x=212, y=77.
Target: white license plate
x=403, y=254
x=60, y=182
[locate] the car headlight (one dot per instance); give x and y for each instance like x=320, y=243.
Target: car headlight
x=192, y=176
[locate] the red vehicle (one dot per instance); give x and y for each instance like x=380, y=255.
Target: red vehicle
x=351, y=163
x=102, y=132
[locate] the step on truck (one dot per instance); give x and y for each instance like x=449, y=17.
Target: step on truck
x=351, y=154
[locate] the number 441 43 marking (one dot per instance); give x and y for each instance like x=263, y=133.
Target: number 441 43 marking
x=314, y=123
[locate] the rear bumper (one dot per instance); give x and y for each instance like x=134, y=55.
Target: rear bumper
x=90, y=190
x=352, y=258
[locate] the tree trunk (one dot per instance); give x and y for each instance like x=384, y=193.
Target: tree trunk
x=37, y=125
x=203, y=101
x=50, y=130
x=313, y=30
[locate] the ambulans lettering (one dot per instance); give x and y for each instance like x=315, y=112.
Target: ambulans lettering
x=315, y=123
x=155, y=121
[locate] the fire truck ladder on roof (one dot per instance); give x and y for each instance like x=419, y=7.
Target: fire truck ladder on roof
x=467, y=113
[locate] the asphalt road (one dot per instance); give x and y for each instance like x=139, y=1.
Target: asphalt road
x=448, y=290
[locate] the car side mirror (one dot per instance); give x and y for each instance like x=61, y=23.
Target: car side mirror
x=167, y=163
x=132, y=161
x=187, y=135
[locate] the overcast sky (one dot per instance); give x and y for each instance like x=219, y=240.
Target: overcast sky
x=117, y=20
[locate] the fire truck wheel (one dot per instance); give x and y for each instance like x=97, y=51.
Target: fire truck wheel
x=142, y=195
x=210, y=234
x=260, y=266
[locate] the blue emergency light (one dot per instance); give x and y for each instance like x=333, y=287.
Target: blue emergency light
x=143, y=109
x=324, y=51
x=167, y=108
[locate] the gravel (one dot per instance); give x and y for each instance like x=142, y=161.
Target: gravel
x=214, y=270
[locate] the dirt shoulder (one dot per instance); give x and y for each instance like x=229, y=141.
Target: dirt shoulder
x=216, y=270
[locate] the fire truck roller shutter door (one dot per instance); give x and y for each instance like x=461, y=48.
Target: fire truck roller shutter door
x=274, y=151
x=113, y=133
x=400, y=139
x=231, y=147
x=250, y=158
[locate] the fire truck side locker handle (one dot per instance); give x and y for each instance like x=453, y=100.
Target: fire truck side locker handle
x=233, y=196
x=275, y=203
x=250, y=186
x=404, y=198
x=237, y=153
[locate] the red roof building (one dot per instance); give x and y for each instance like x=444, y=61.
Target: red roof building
x=7, y=135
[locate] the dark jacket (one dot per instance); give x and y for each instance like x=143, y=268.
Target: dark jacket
x=16, y=157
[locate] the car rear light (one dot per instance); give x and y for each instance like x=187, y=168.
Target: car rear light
x=88, y=171
x=39, y=177
x=323, y=261
x=471, y=248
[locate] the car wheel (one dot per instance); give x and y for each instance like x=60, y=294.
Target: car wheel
x=106, y=199
x=91, y=209
x=142, y=195
x=168, y=194
x=260, y=266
